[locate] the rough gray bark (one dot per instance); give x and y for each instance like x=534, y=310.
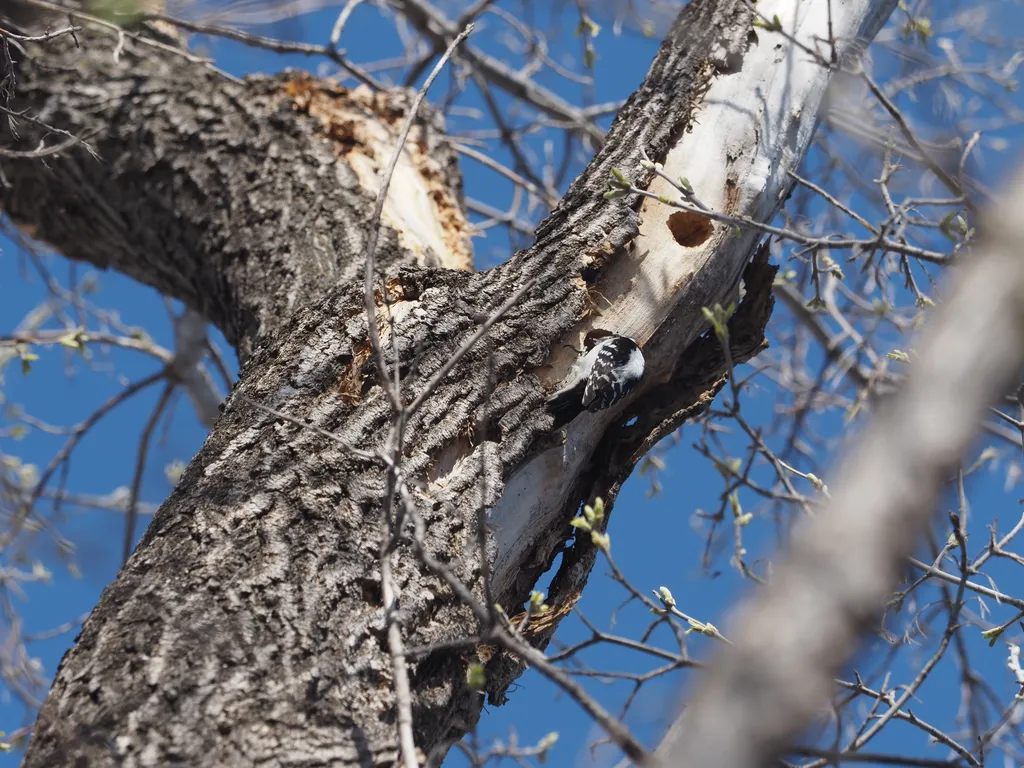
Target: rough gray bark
x=248, y=627
x=225, y=195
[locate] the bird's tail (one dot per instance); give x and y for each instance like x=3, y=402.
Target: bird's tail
x=566, y=405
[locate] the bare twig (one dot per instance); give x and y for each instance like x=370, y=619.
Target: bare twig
x=140, y=468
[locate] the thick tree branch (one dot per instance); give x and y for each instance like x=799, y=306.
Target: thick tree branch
x=751, y=127
x=220, y=193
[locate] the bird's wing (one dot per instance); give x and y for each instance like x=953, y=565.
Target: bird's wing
x=603, y=389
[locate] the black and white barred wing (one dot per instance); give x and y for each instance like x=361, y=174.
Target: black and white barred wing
x=618, y=367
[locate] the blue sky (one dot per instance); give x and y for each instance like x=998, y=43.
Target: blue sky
x=656, y=540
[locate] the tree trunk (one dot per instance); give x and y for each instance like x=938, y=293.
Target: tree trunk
x=248, y=627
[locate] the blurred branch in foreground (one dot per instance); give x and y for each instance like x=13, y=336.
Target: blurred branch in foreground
x=790, y=641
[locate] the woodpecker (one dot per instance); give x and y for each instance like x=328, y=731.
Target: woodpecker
x=604, y=374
